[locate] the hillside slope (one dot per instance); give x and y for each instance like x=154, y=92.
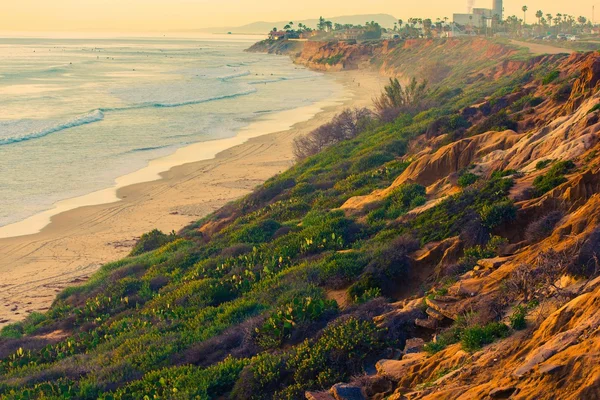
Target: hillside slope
x=446, y=249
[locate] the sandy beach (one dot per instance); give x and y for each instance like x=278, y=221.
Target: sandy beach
x=35, y=267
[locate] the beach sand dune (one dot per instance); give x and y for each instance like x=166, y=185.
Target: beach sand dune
x=34, y=268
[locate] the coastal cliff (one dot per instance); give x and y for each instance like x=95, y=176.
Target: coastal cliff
x=446, y=250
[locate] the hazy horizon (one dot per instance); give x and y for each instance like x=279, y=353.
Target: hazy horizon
x=181, y=15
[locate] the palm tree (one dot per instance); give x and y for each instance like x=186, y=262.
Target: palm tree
x=321, y=25
x=524, y=15
x=539, y=14
x=549, y=18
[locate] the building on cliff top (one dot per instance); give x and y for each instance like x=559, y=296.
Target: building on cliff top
x=277, y=35
x=350, y=34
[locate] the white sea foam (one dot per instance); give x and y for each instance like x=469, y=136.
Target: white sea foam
x=16, y=137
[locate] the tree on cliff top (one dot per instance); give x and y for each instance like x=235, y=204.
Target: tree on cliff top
x=396, y=99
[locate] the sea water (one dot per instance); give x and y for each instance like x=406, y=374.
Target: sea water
x=75, y=114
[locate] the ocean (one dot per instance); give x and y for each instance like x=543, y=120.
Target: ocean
x=76, y=114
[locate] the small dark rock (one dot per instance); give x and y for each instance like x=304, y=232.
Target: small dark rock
x=502, y=392
x=414, y=345
x=342, y=391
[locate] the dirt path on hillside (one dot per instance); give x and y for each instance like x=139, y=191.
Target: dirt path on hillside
x=538, y=49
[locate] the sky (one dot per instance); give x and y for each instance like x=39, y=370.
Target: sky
x=173, y=15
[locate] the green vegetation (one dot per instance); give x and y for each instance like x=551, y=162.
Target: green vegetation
x=553, y=178
x=551, y=77
x=152, y=241
x=471, y=338
x=242, y=307
x=517, y=319
x=542, y=164
x=467, y=179
x=478, y=252
x=333, y=60
x=500, y=121
x=474, y=338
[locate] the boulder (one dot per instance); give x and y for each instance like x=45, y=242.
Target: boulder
x=549, y=368
x=444, y=308
x=435, y=314
x=428, y=323
x=342, y=391
x=397, y=370
x=414, y=345
x=502, y=392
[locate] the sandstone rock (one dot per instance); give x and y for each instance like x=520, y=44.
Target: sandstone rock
x=435, y=314
x=342, y=391
x=428, y=323
x=414, y=345
x=466, y=288
x=396, y=370
x=550, y=369
x=376, y=386
x=492, y=263
x=318, y=396
x=502, y=392
x=444, y=308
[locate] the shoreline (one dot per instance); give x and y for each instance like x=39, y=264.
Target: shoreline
x=67, y=251
x=195, y=152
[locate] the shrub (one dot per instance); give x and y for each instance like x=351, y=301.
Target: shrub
x=504, y=173
x=543, y=227
x=447, y=124
x=368, y=295
x=388, y=265
x=152, y=241
x=517, y=319
x=333, y=60
x=338, y=269
x=371, y=161
x=401, y=200
x=337, y=353
x=497, y=213
x=542, y=164
x=394, y=97
x=594, y=109
x=587, y=262
x=467, y=179
x=346, y=125
x=257, y=232
x=403, y=197
x=434, y=347
x=473, y=254
x=563, y=93
x=551, y=77
x=496, y=122
x=267, y=192
x=281, y=322
x=13, y=331
x=553, y=178
x=474, y=338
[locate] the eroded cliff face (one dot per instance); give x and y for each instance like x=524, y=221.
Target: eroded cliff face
x=430, y=59
x=558, y=354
